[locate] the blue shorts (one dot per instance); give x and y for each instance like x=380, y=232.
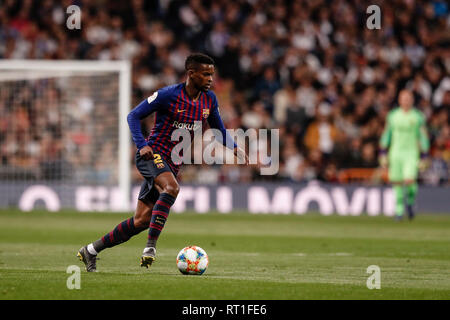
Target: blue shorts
x=150, y=169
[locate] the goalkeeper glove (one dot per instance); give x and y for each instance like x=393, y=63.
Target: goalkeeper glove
x=424, y=162
x=383, y=159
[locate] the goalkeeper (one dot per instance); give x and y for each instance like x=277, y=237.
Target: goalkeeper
x=405, y=136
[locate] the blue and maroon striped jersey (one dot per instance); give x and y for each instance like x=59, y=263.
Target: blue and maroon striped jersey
x=174, y=109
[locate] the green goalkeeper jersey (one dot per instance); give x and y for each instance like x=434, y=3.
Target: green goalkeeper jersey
x=405, y=134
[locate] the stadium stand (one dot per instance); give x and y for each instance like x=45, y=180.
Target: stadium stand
x=325, y=80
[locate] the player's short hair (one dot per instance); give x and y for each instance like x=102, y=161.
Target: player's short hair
x=193, y=60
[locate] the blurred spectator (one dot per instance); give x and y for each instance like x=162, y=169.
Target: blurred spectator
x=321, y=133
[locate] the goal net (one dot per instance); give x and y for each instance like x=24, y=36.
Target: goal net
x=64, y=142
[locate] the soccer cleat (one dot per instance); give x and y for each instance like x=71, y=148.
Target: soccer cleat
x=398, y=218
x=148, y=256
x=89, y=260
x=410, y=210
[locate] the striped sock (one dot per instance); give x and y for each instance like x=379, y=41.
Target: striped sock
x=159, y=216
x=121, y=233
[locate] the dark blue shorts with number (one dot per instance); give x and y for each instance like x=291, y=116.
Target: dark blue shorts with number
x=150, y=169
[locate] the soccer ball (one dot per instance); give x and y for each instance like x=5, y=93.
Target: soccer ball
x=192, y=260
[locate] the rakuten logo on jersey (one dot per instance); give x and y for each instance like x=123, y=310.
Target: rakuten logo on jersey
x=188, y=126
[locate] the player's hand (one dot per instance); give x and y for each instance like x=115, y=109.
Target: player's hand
x=146, y=153
x=383, y=160
x=240, y=154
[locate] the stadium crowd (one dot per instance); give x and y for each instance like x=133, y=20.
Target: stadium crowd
x=309, y=67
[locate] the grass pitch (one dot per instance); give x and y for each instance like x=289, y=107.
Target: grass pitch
x=251, y=257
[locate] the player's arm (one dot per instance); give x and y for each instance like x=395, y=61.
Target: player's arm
x=385, y=142
x=424, y=144
x=141, y=111
x=215, y=122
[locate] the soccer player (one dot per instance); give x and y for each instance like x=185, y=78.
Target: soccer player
x=405, y=136
x=176, y=106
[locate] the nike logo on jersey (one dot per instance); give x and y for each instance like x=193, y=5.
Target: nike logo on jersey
x=181, y=110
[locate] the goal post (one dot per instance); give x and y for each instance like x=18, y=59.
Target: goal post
x=74, y=109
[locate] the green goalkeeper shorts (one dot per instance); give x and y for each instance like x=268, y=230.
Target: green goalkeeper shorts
x=404, y=168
